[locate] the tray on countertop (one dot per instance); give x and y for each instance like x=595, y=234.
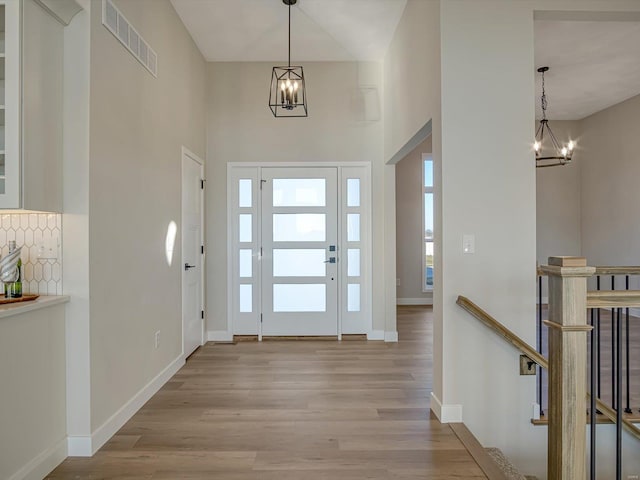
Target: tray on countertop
x=27, y=297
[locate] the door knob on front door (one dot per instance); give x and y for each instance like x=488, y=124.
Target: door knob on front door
x=331, y=260
x=187, y=266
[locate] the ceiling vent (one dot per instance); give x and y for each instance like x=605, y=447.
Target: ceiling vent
x=117, y=24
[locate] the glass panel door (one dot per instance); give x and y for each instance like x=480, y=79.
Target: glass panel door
x=299, y=255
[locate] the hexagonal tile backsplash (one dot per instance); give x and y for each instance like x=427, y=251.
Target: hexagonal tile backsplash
x=40, y=276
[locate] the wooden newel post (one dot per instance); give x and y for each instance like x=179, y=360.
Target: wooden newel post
x=567, y=367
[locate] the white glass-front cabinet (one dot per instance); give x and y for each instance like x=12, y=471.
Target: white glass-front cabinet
x=31, y=63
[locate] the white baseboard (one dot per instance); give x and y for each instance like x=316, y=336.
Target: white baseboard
x=445, y=413
x=414, y=301
x=82, y=446
x=219, y=336
x=79, y=445
x=375, y=335
x=390, y=336
x=40, y=466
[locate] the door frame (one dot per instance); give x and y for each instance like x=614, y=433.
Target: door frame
x=367, y=260
x=186, y=153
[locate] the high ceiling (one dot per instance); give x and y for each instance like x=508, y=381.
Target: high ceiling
x=321, y=30
x=594, y=64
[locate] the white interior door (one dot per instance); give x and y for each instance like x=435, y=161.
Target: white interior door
x=299, y=251
x=192, y=251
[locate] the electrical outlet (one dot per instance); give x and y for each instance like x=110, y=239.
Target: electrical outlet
x=48, y=247
x=527, y=366
x=157, y=338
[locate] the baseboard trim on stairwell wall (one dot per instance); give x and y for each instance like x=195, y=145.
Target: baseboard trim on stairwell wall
x=414, y=301
x=445, y=413
x=391, y=337
x=219, y=336
x=78, y=445
x=40, y=466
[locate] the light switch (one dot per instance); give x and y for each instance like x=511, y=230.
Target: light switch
x=468, y=243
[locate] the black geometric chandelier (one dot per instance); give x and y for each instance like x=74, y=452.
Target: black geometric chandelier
x=288, y=96
x=550, y=154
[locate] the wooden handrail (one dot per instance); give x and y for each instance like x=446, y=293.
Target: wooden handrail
x=611, y=270
x=613, y=299
x=604, y=270
x=530, y=352
x=503, y=331
x=610, y=413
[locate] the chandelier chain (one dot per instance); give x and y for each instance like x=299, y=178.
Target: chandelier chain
x=290, y=35
x=543, y=100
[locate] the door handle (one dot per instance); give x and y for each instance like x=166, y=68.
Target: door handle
x=187, y=266
x=331, y=260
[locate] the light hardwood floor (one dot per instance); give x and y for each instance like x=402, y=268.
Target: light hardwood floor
x=288, y=410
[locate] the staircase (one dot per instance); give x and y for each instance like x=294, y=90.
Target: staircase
x=506, y=467
x=569, y=361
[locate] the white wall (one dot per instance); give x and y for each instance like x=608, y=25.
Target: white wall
x=241, y=128
x=409, y=221
x=32, y=375
x=609, y=194
x=488, y=189
x=412, y=102
x=412, y=75
x=138, y=125
x=558, y=200
x=558, y=208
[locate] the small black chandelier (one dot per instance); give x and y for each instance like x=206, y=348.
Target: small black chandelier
x=558, y=155
x=288, y=96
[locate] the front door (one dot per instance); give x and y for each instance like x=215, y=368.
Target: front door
x=299, y=251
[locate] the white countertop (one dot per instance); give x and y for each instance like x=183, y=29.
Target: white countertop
x=43, y=301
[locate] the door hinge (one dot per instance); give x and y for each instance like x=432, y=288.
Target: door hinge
x=260, y=318
x=202, y=249
x=202, y=184
x=202, y=314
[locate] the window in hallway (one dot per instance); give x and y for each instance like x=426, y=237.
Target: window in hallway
x=427, y=191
